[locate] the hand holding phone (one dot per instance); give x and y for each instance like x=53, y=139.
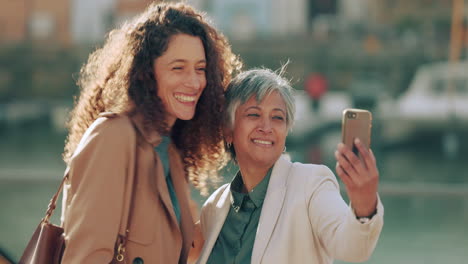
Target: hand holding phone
x=358, y=172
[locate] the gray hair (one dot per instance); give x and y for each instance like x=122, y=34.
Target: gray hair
x=259, y=83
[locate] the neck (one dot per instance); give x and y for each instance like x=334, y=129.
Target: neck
x=252, y=175
x=170, y=121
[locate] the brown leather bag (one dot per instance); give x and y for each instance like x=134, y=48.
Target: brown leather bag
x=47, y=243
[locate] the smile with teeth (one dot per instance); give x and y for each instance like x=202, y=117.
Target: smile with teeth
x=263, y=142
x=185, y=98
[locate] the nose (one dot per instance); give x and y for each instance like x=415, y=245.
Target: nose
x=194, y=80
x=265, y=125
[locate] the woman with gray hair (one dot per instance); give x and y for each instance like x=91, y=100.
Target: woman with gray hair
x=276, y=211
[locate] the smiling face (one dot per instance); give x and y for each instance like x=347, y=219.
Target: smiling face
x=259, y=131
x=180, y=73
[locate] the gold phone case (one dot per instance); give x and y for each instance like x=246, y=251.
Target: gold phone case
x=356, y=123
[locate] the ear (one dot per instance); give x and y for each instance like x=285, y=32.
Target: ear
x=227, y=132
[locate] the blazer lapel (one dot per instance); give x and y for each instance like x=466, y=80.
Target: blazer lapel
x=223, y=205
x=272, y=207
x=151, y=139
x=181, y=188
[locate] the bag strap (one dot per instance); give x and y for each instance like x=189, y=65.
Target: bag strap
x=53, y=201
x=122, y=239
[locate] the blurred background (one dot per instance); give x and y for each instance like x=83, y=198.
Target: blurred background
x=406, y=61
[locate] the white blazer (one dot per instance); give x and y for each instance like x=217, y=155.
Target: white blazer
x=304, y=219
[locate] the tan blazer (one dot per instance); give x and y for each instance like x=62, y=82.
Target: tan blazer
x=303, y=219
x=96, y=196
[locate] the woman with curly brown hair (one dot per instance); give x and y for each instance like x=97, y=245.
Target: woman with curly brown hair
x=147, y=122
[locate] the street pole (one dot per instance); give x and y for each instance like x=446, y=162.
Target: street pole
x=450, y=139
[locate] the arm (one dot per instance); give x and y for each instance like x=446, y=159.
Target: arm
x=211, y=215
x=361, y=177
x=339, y=232
x=98, y=173
x=198, y=240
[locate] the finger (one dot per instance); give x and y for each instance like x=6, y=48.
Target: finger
x=373, y=169
x=372, y=156
x=363, y=152
x=368, y=158
x=343, y=175
x=344, y=163
x=353, y=160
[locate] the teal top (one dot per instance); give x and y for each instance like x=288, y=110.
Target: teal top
x=235, y=242
x=162, y=149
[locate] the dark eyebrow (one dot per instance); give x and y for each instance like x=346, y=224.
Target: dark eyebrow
x=182, y=60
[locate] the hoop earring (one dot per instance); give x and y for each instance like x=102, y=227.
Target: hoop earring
x=284, y=150
x=229, y=145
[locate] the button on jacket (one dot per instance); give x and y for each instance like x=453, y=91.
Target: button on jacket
x=115, y=150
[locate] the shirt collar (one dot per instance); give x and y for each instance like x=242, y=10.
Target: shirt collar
x=257, y=194
x=163, y=150
x=164, y=144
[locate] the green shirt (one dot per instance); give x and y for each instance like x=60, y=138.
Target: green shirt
x=162, y=149
x=235, y=242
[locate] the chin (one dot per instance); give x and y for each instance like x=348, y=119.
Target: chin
x=186, y=117
x=266, y=161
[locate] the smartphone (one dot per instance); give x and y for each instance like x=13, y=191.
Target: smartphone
x=356, y=123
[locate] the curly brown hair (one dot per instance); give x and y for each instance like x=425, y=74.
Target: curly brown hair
x=119, y=78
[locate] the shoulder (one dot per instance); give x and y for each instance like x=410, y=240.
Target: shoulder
x=214, y=203
x=111, y=126
x=312, y=170
x=108, y=129
x=213, y=209
x=105, y=151
x=216, y=196
x=112, y=122
x=312, y=175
